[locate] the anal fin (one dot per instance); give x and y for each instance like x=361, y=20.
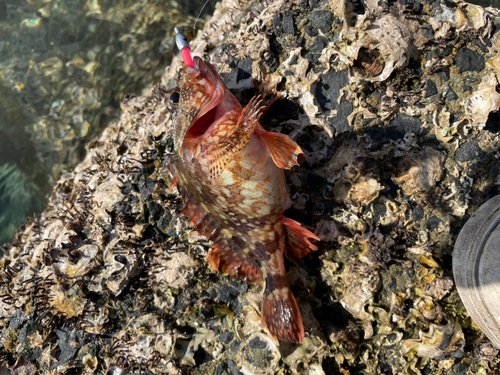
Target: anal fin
x=283, y=150
x=227, y=257
x=298, y=239
x=203, y=222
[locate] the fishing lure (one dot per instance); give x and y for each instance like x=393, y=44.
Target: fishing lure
x=229, y=170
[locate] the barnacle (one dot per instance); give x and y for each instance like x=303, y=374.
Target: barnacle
x=359, y=291
x=259, y=355
x=484, y=100
x=462, y=18
x=68, y=302
x=418, y=173
x=365, y=190
x=385, y=44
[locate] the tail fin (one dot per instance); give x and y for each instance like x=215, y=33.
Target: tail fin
x=280, y=312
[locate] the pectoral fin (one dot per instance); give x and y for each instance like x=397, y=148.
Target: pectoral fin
x=234, y=136
x=283, y=150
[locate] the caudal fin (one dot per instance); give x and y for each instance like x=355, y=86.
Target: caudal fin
x=280, y=312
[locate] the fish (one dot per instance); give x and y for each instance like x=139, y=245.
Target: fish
x=230, y=173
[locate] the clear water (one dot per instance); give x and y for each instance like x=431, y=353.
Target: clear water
x=64, y=66
x=487, y=3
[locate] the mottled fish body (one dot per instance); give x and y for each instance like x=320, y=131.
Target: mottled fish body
x=230, y=173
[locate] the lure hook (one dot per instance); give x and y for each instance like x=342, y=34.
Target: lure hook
x=183, y=46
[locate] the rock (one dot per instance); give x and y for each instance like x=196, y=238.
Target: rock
x=322, y=19
x=469, y=151
x=310, y=30
x=469, y=60
x=318, y=44
x=402, y=125
x=430, y=88
x=226, y=337
x=451, y=95
x=288, y=26
x=327, y=94
x=277, y=24
x=228, y=294
x=244, y=69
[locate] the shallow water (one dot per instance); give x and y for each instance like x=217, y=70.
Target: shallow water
x=487, y=3
x=64, y=67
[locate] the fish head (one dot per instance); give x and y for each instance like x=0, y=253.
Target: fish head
x=202, y=101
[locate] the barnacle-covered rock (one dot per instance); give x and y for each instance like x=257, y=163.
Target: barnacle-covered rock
x=109, y=278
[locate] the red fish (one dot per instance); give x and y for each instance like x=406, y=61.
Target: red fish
x=230, y=174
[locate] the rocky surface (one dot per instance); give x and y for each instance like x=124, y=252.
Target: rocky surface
x=394, y=104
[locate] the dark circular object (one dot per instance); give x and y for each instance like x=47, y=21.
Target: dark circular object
x=476, y=261
x=174, y=97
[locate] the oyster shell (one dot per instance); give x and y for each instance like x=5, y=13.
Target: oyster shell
x=418, y=173
x=440, y=340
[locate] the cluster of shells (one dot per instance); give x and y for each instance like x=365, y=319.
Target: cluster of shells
x=109, y=278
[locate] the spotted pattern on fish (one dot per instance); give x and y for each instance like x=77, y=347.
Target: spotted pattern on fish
x=230, y=174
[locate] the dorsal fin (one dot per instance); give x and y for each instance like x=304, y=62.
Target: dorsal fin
x=298, y=239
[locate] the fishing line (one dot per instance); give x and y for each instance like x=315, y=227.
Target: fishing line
x=183, y=42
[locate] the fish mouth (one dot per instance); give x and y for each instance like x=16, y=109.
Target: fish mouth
x=211, y=111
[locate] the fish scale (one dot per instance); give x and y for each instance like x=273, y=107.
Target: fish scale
x=230, y=173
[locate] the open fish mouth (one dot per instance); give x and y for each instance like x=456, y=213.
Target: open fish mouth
x=202, y=93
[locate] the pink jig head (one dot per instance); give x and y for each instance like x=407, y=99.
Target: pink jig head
x=183, y=46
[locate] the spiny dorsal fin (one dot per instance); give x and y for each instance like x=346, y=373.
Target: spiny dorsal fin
x=283, y=150
x=234, y=136
x=298, y=239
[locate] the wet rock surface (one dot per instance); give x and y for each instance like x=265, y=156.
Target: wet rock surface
x=109, y=278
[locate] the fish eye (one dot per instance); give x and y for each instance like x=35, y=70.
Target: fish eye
x=172, y=99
